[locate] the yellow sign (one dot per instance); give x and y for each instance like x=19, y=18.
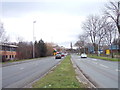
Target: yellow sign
x=107, y=51
x=54, y=53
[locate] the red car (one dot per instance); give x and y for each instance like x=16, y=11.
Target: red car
x=62, y=54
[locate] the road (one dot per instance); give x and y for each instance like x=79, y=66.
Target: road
x=104, y=74
x=19, y=75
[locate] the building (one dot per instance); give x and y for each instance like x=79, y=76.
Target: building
x=8, y=52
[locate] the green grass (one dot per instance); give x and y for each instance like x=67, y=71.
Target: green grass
x=104, y=58
x=63, y=76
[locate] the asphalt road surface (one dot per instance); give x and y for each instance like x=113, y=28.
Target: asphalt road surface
x=19, y=75
x=104, y=74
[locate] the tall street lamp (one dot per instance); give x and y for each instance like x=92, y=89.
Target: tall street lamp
x=33, y=40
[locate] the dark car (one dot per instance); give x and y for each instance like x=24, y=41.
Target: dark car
x=58, y=56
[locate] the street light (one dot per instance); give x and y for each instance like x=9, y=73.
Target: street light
x=33, y=40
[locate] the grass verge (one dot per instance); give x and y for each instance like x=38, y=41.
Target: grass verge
x=63, y=76
x=104, y=58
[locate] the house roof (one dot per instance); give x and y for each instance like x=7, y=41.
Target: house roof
x=8, y=45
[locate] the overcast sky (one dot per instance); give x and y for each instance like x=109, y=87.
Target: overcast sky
x=57, y=21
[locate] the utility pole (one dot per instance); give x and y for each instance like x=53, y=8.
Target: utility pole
x=33, y=40
x=84, y=45
x=71, y=47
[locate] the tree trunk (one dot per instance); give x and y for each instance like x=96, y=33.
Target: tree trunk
x=111, y=52
x=118, y=28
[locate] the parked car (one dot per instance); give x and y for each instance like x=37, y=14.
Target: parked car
x=83, y=55
x=58, y=56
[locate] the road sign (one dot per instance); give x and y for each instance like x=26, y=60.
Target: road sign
x=107, y=52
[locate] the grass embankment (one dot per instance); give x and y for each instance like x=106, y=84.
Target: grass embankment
x=104, y=58
x=63, y=76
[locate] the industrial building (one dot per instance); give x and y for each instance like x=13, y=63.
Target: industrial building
x=8, y=52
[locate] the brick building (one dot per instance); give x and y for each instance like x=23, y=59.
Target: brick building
x=8, y=52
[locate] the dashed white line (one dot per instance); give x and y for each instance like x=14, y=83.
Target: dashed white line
x=21, y=68
x=36, y=64
x=103, y=66
x=117, y=70
x=95, y=62
x=94, y=59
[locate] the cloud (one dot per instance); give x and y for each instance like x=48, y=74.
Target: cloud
x=59, y=21
x=50, y=27
x=57, y=1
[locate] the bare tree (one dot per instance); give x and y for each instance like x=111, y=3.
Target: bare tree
x=94, y=26
x=49, y=49
x=113, y=12
x=19, y=39
x=110, y=35
x=3, y=37
x=1, y=29
x=102, y=31
x=82, y=42
x=2, y=32
x=24, y=50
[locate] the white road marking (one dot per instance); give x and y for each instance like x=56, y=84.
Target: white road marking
x=21, y=68
x=94, y=59
x=103, y=66
x=117, y=70
x=95, y=62
x=36, y=64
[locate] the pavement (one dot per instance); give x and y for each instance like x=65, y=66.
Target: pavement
x=20, y=74
x=103, y=74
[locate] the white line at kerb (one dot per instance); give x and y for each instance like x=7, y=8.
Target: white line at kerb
x=103, y=66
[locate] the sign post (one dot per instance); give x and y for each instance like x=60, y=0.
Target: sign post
x=107, y=52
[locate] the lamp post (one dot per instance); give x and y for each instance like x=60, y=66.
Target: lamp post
x=33, y=40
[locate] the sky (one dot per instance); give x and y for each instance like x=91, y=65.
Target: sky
x=57, y=21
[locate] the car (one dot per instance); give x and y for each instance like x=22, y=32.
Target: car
x=62, y=54
x=66, y=54
x=83, y=55
x=58, y=56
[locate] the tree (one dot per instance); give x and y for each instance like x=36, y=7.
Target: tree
x=113, y=12
x=36, y=49
x=110, y=34
x=116, y=41
x=90, y=26
x=42, y=49
x=81, y=42
x=3, y=37
x=1, y=30
x=24, y=50
x=94, y=27
x=49, y=49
